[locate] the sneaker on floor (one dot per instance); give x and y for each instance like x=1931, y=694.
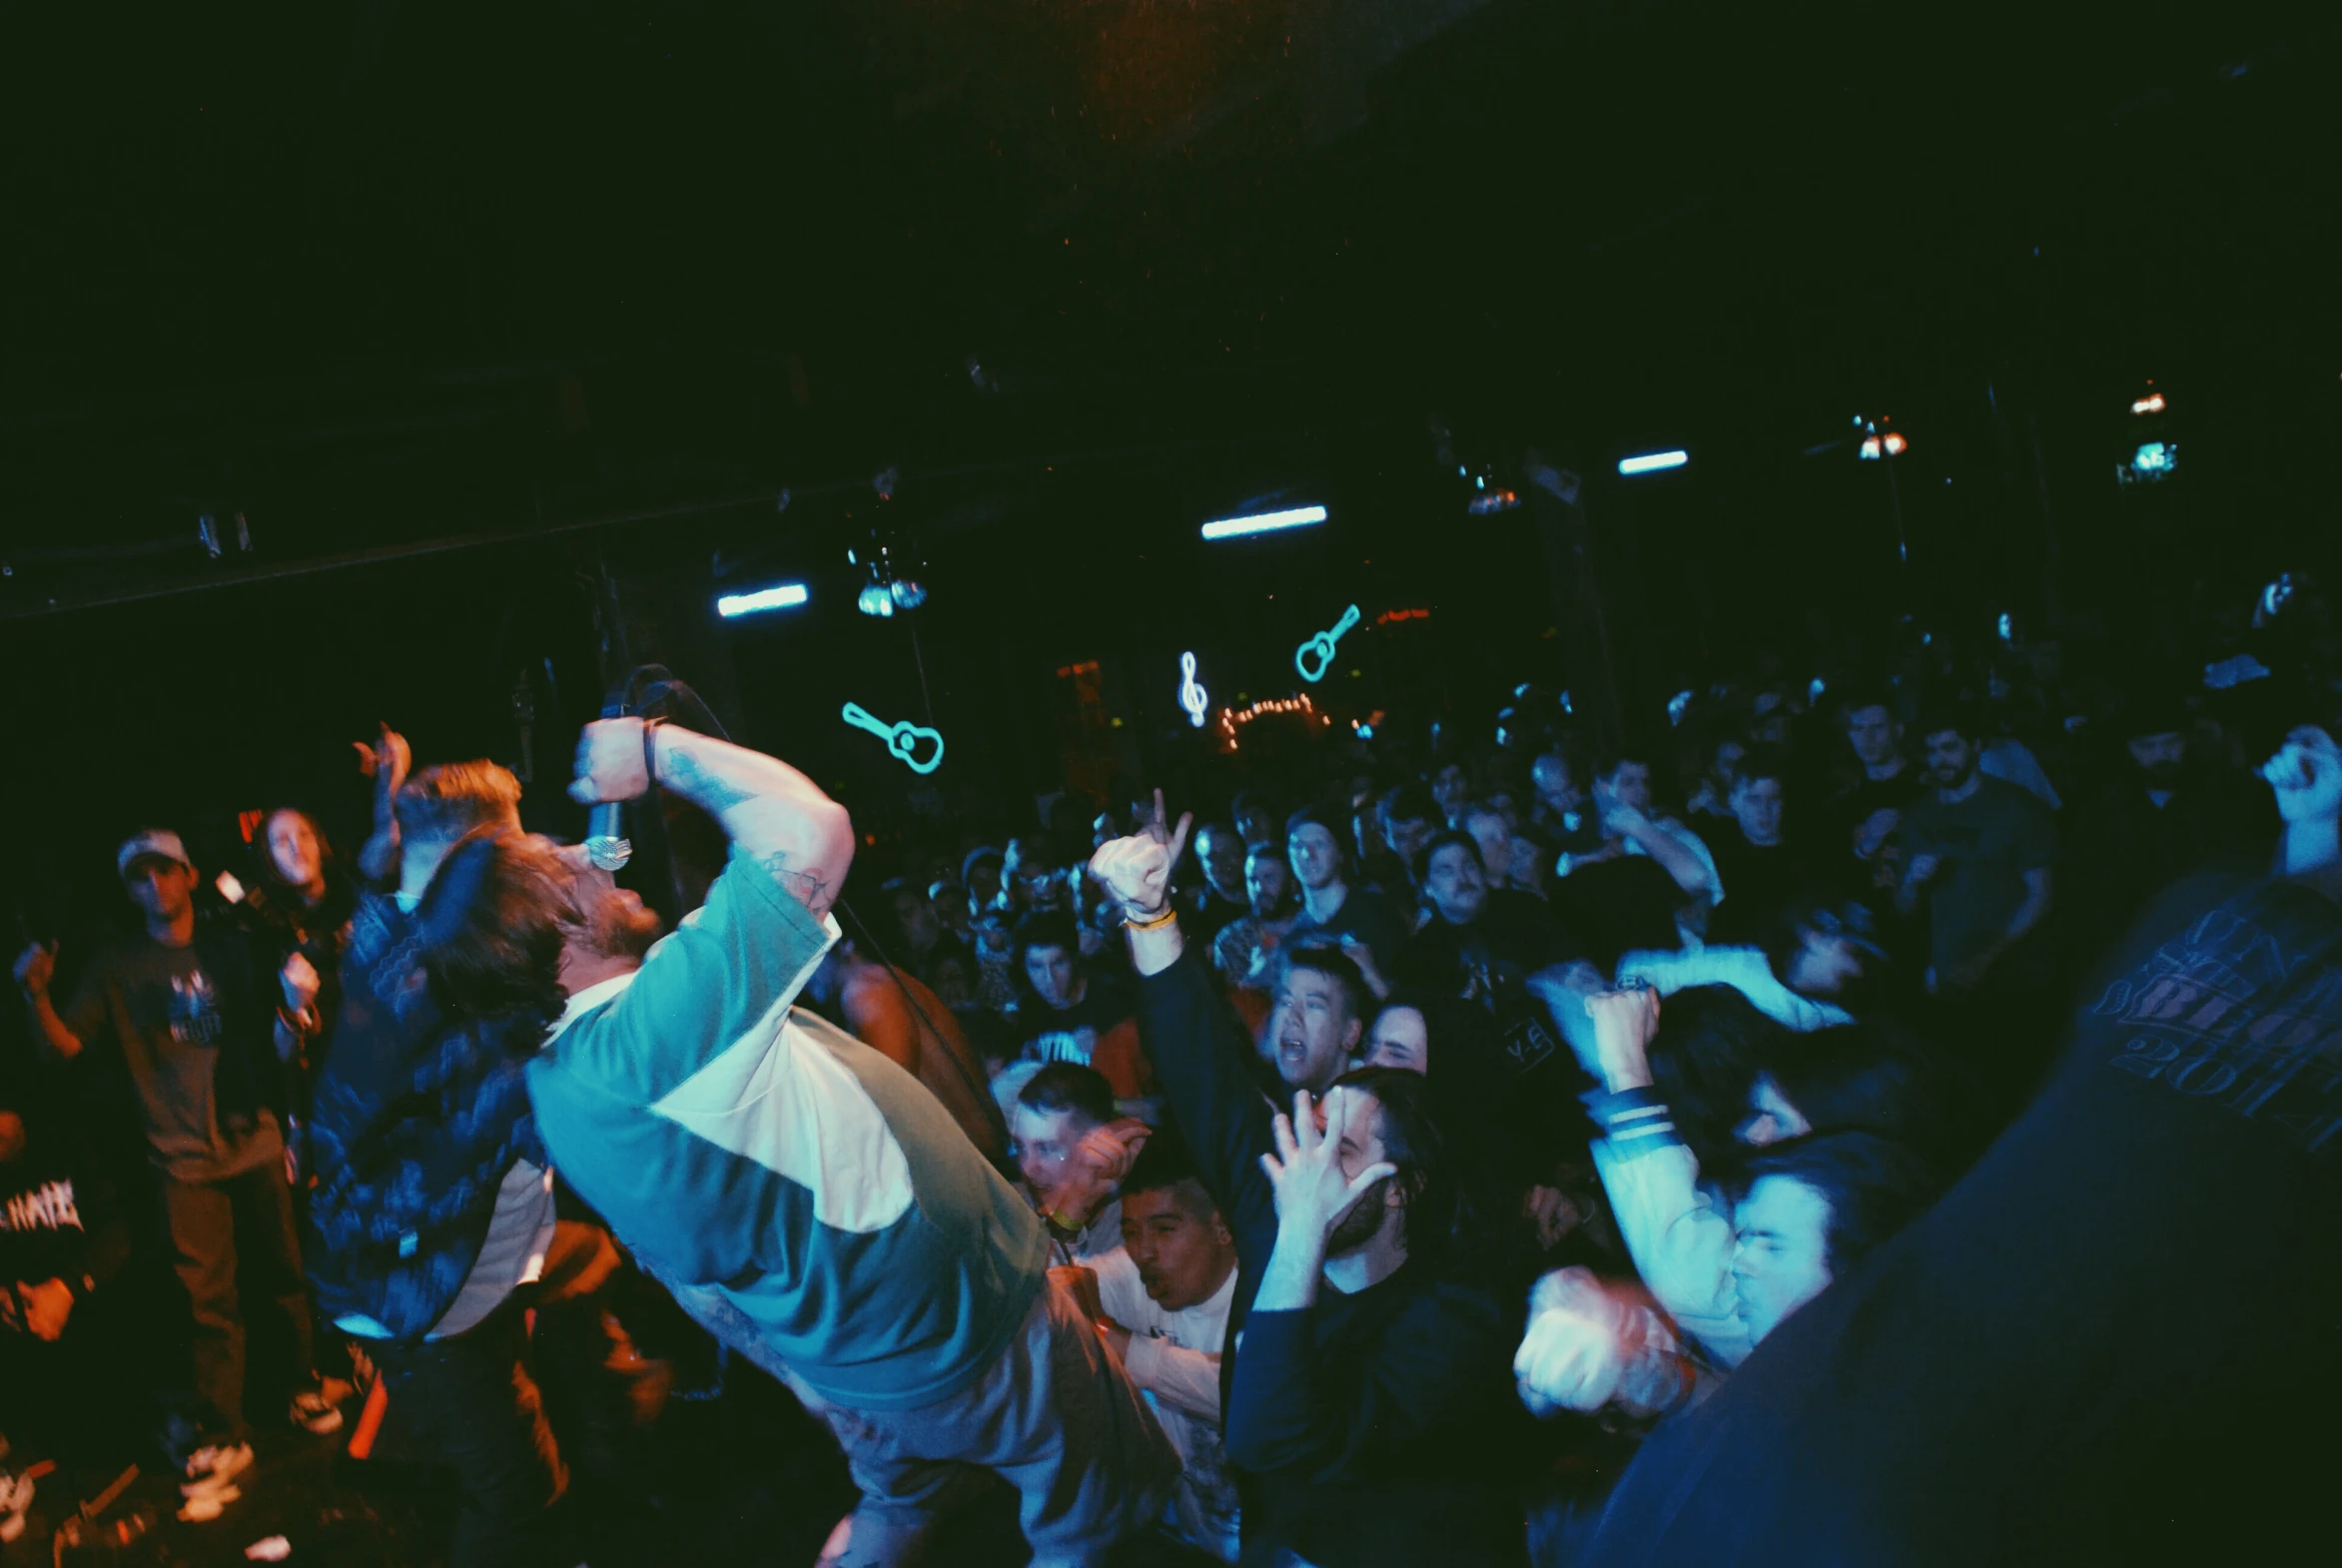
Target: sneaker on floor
x=315, y=1410
x=16, y=1495
x=214, y=1466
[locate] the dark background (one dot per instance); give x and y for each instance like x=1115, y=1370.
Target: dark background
x=505, y=329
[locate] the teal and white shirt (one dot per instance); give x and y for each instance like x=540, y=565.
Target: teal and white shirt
x=734, y=1141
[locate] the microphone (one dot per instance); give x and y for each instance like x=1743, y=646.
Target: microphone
x=606, y=844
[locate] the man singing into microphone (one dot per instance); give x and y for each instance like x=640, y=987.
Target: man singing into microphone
x=810, y=1201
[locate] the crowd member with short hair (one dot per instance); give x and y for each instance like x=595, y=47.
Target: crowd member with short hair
x=185, y=1007
x=1369, y=1399
x=1764, y=870
x=1220, y=851
x=1662, y=1144
x=1980, y=852
x=1257, y=819
x=1811, y=1209
x=1316, y=1015
x=1871, y=808
x=1511, y=861
x=1247, y=945
x=1058, y=1108
x=811, y=1204
x=1483, y=943
x=1408, y=815
x=433, y=1206
x=1631, y=825
x=925, y=947
x=1073, y=1008
x=2167, y=813
x=1162, y=1302
x=1331, y=909
x=1985, y=1386
x=1451, y=783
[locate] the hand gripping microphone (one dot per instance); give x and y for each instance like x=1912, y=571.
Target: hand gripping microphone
x=606, y=844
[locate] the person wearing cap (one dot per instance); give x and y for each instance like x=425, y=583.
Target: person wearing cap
x=187, y=1010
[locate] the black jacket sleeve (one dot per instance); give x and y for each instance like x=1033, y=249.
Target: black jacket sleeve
x=1352, y=1413
x=1199, y=1046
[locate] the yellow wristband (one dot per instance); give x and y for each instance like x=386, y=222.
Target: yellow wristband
x=1169, y=914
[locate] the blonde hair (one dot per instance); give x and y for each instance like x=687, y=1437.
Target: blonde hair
x=449, y=799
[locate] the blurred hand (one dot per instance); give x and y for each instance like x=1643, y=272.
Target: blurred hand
x=1875, y=830
x=1555, y=1215
x=2306, y=773
x=301, y=983
x=386, y=761
x=36, y=966
x=1921, y=869
x=46, y=1308
x=1136, y=870
x=1306, y=1171
x=1575, y=1354
x=611, y=764
x=1082, y=1285
x=1106, y=1153
x=1624, y=1022
x=1361, y=955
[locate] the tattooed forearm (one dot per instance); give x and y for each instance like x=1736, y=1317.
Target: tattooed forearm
x=682, y=773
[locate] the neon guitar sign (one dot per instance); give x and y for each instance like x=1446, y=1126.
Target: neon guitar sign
x=1321, y=648
x=904, y=739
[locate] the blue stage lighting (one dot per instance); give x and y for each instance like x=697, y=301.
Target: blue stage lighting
x=780, y=596
x=1263, y=523
x=1653, y=462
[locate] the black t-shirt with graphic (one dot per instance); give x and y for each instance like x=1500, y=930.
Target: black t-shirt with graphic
x=191, y=1025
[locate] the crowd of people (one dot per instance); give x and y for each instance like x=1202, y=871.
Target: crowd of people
x=1723, y=1141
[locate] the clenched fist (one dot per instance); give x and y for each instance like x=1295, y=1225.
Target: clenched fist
x=612, y=764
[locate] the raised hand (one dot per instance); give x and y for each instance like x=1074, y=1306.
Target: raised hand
x=1624, y=1022
x=300, y=985
x=2306, y=774
x=36, y=966
x=1135, y=871
x=1306, y=1173
x=1575, y=1353
x=610, y=762
x=388, y=761
x=1095, y=1165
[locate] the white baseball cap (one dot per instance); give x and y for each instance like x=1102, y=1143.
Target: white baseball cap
x=154, y=841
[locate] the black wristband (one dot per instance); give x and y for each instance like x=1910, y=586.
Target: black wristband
x=650, y=752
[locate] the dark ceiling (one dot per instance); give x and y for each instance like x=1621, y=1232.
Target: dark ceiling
x=394, y=291
x=384, y=273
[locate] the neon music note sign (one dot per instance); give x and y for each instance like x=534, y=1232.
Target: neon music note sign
x=1193, y=697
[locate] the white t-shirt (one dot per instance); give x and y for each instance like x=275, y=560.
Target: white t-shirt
x=1174, y=1360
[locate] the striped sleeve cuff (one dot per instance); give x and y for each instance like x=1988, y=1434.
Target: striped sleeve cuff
x=1634, y=1119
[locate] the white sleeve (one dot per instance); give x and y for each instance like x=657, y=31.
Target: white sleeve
x=1179, y=1377
x=1699, y=851
x=1187, y=1378
x=1681, y=1242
